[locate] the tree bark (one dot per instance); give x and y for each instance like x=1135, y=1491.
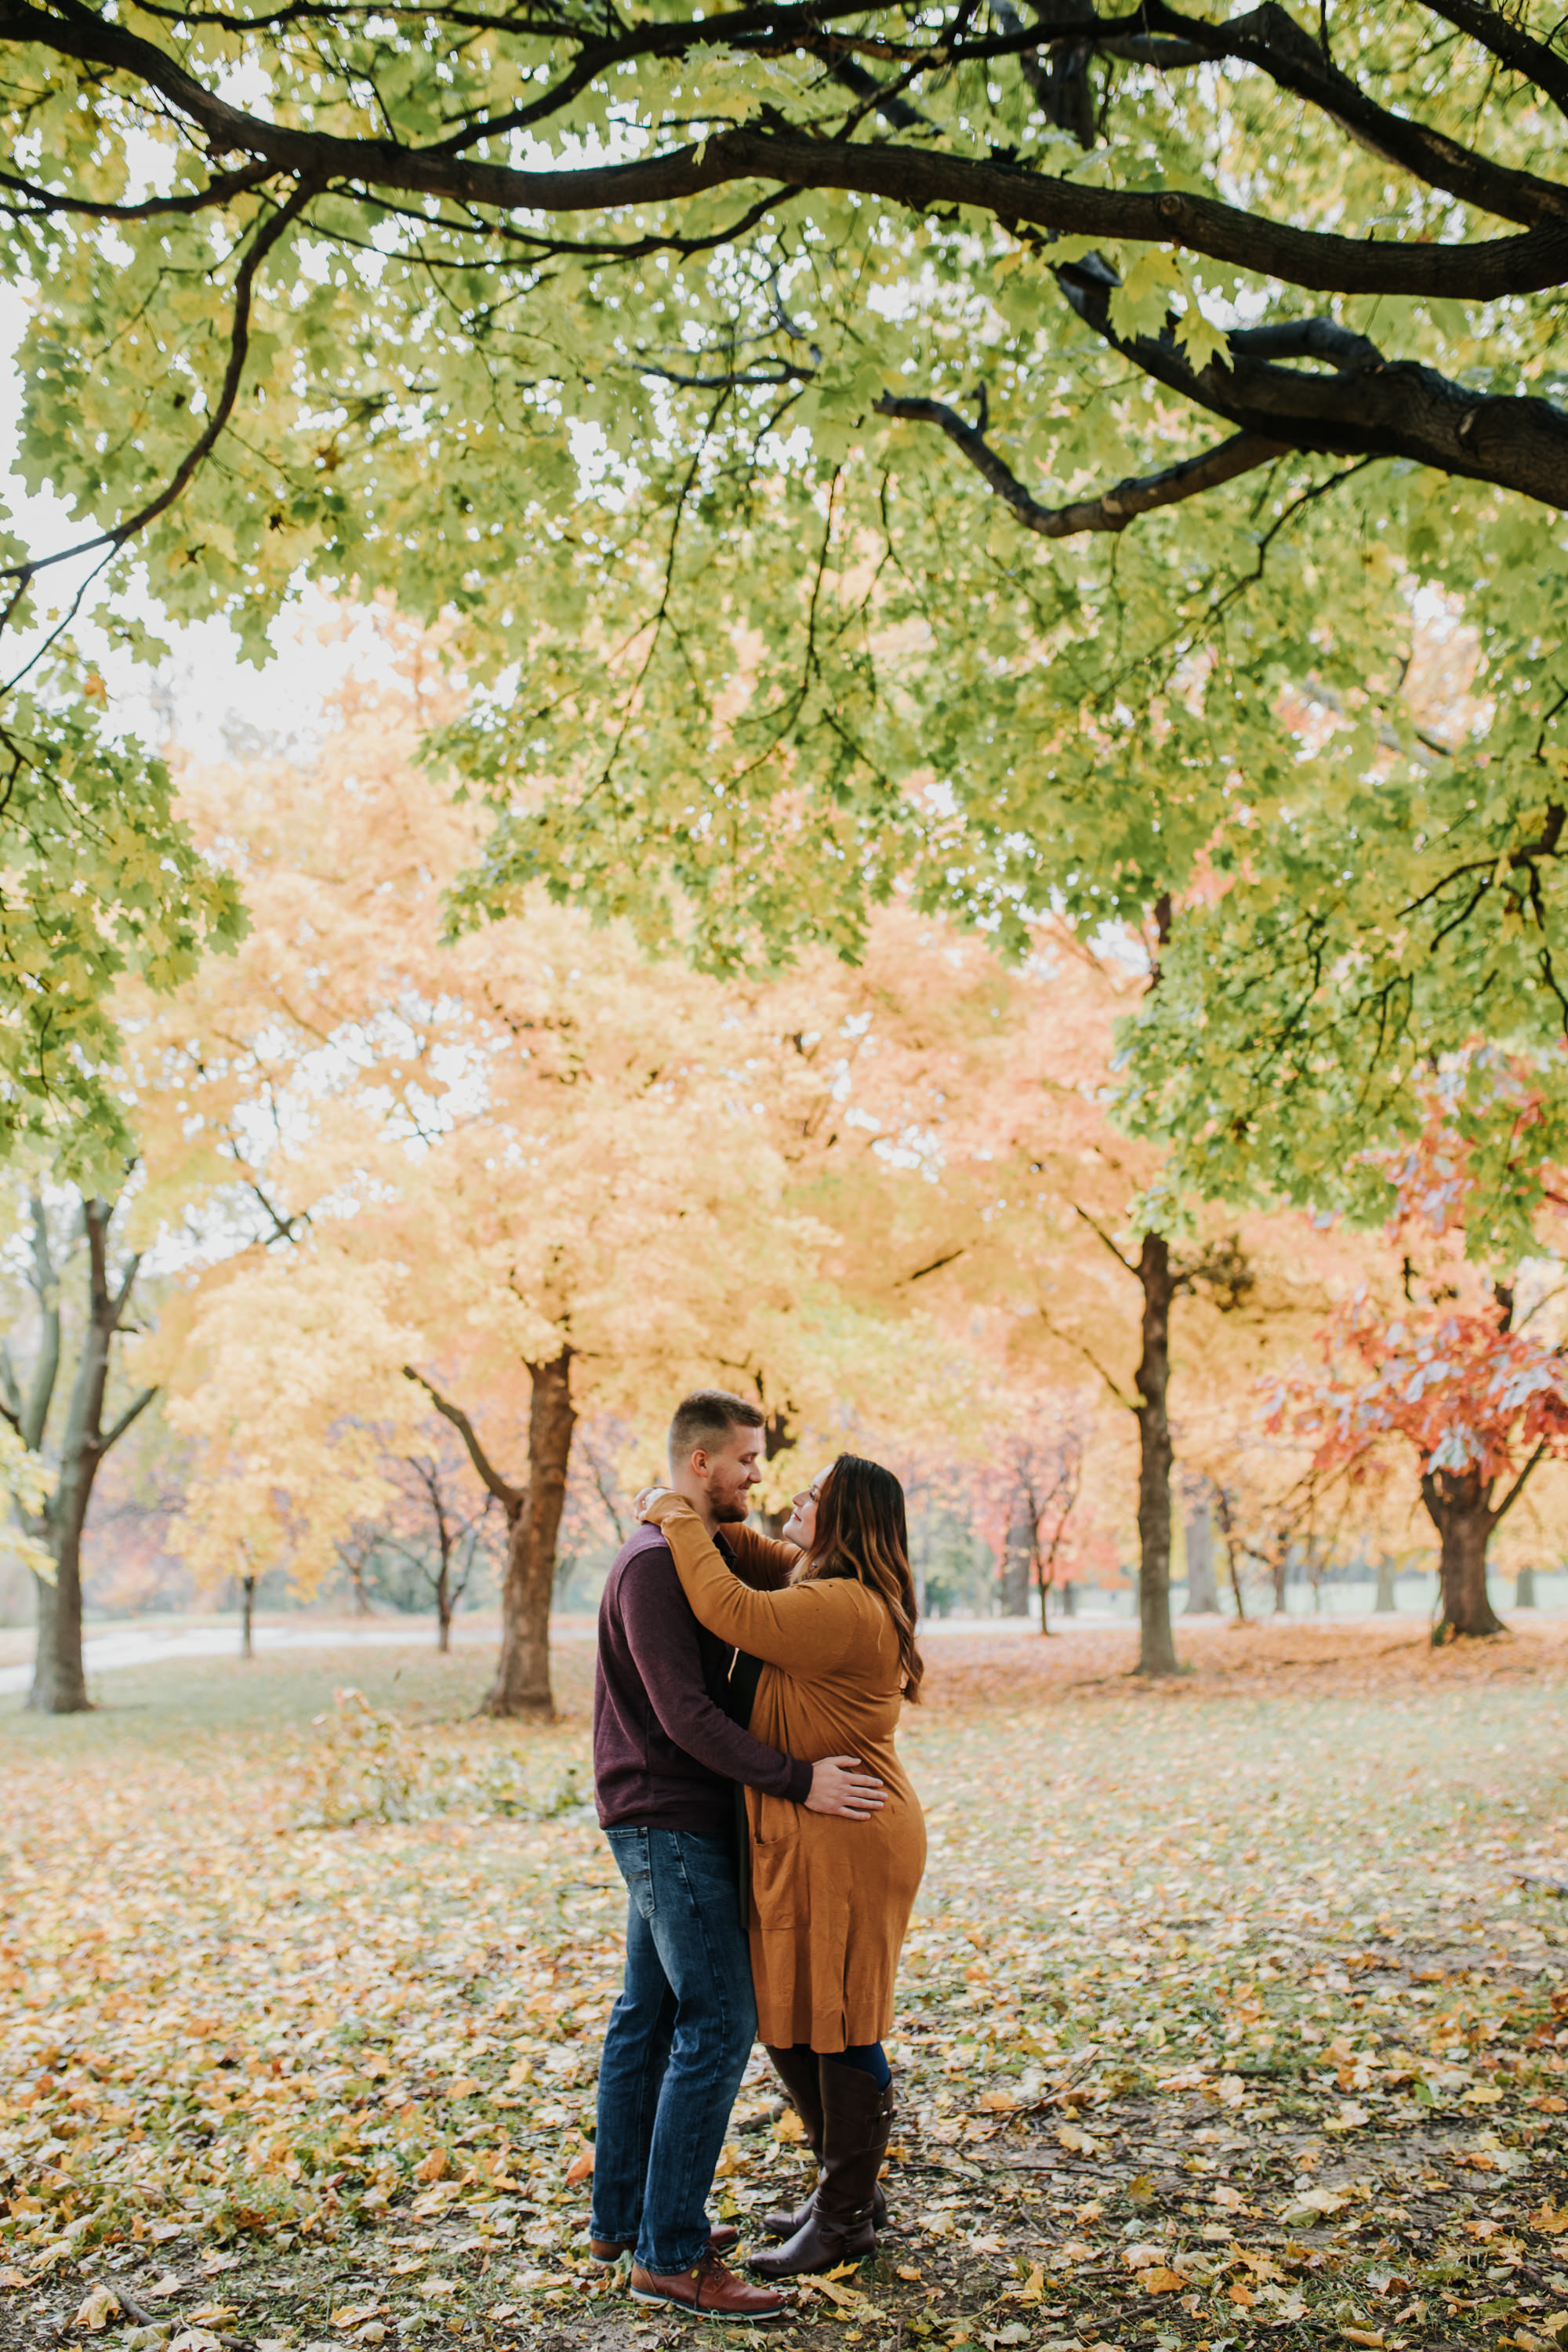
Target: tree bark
x=1157, y=1649
x=1069, y=1598
x=1018, y=1554
x=1458, y=1503
x=60, y=1680
x=522, y=1686
x=246, y=1616
x=1524, y=1589
x=1203, y=1593
x=1385, y=1600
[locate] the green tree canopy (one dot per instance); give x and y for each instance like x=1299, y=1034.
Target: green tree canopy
x=914, y=448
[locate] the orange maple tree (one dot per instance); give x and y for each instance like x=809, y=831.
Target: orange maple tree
x=1455, y=1367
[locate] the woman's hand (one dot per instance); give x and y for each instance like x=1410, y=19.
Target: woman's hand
x=643, y=1508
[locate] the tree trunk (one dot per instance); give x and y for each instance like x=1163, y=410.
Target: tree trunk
x=246, y=1616
x=1017, y=1555
x=59, y=1681
x=775, y=1437
x=1157, y=1649
x=444, y=1611
x=1203, y=1593
x=1069, y=1598
x=1280, y=1567
x=1458, y=1503
x=1524, y=1589
x=1385, y=1600
x=59, y=1678
x=521, y=1686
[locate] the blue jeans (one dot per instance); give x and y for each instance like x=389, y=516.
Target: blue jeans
x=675, y=2046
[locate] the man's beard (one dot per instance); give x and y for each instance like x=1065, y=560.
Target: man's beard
x=732, y=1515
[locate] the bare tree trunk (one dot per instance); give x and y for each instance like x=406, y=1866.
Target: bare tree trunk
x=1232, y=1566
x=443, y=1610
x=59, y=1681
x=521, y=1686
x=60, y=1678
x=1385, y=1600
x=1280, y=1567
x=1069, y=1598
x=1017, y=1552
x=246, y=1616
x=1203, y=1593
x=1157, y=1649
x=1458, y=1503
x=1524, y=1589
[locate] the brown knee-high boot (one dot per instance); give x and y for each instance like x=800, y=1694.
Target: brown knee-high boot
x=856, y=2125
x=797, y=2071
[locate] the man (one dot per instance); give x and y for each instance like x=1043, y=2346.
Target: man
x=671, y=1746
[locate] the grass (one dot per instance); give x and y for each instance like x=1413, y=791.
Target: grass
x=1223, y=2010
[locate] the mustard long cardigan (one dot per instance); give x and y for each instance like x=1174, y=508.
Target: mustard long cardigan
x=830, y=1898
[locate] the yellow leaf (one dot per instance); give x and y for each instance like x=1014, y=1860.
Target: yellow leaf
x=1160, y=2281
x=465, y=2088
x=96, y=2311
x=1363, y=2336
x=789, y=2128
x=352, y=2316
x=998, y=2102
x=436, y=2166
x=905, y=2269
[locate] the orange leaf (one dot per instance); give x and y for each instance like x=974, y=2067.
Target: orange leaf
x=580, y=2168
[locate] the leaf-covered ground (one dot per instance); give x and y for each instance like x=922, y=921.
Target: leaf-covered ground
x=1223, y=2013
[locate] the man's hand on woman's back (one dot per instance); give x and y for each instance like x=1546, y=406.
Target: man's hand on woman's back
x=841, y=1785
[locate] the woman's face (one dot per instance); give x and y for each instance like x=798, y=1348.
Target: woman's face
x=800, y=1528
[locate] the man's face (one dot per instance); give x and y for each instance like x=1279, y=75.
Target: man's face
x=729, y=1473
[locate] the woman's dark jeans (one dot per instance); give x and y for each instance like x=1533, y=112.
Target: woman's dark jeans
x=675, y=2046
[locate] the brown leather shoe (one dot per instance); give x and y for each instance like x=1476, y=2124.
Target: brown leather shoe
x=608, y=2252
x=708, y=2291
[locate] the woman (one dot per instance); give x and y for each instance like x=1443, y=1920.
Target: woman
x=830, y=1898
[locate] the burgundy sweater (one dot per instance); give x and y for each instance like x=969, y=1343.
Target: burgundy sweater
x=669, y=1738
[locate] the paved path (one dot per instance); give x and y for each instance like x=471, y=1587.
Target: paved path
x=155, y=1643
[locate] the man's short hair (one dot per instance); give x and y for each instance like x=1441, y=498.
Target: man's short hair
x=705, y=1419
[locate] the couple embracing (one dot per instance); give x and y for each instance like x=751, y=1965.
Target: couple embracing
x=744, y=1709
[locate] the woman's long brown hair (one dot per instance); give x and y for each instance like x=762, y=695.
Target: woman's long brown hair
x=862, y=1531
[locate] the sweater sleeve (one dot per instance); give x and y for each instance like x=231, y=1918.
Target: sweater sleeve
x=808, y=1629
x=662, y=1641
x=760, y=1562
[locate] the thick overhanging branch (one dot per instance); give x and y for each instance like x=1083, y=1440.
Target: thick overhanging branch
x=1114, y=508
x=1320, y=261
x=1377, y=409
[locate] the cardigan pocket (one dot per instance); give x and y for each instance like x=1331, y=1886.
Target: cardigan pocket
x=776, y=1881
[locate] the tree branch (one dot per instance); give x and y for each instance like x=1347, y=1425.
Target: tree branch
x=1114, y=508
x=1324, y=261
x=509, y=1497
x=1383, y=409
x=1514, y=1492
x=262, y=244
x=112, y=1436
x=1125, y=1262
x=1128, y=1403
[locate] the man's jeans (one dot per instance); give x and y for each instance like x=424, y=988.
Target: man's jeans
x=675, y=2046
